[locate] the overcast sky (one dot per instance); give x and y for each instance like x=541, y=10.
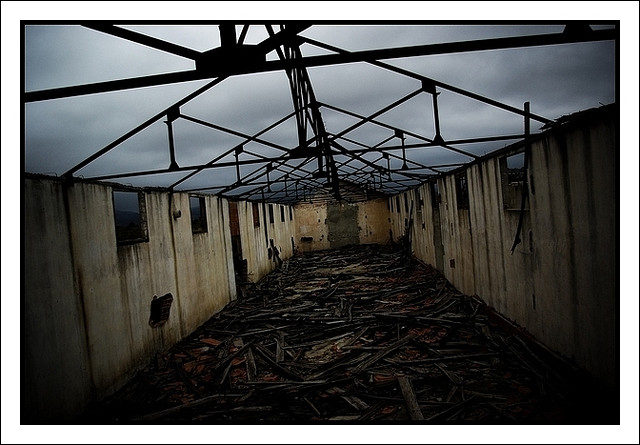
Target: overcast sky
x=60, y=133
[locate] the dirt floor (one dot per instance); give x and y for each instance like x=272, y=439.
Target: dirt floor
x=361, y=335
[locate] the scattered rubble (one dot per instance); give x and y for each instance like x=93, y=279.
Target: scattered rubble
x=360, y=334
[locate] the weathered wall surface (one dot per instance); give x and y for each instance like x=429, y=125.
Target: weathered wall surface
x=87, y=299
x=53, y=321
x=374, y=222
x=560, y=282
x=312, y=232
x=256, y=237
x=333, y=225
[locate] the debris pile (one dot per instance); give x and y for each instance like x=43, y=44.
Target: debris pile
x=356, y=334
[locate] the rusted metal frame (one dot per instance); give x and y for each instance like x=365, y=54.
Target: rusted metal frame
x=346, y=152
x=274, y=193
x=451, y=142
x=279, y=167
x=211, y=164
x=305, y=178
x=315, y=118
x=392, y=171
x=358, y=173
x=247, y=181
x=359, y=169
x=361, y=175
x=280, y=37
x=200, y=167
x=161, y=79
x=365, y=119
x=174, y=170
x=297, y=95
x=281, y=160
x=279, y=180
x=436, y=117
x=142, y=126
x=235, y=133
x=116, y=85
x=243, y=34
x=247, y=140
x=185, y=168
x=363, y=179
x=320, y=199
x=250, y=178
x=227, y=35
x=356, y=158
x=252, y=181
x=303, y=95
x=371, y=56
x=171, y=117
x=428, y=80
x=146, y=40
x=391, y=127
x=344, y=56
x=375, y=149
x=359, y=158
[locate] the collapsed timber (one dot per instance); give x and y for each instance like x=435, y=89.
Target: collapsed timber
x=361, y=334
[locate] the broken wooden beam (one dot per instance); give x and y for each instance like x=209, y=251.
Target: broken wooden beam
x=410, y=398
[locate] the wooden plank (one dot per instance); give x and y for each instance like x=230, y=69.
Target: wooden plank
x=410, y=398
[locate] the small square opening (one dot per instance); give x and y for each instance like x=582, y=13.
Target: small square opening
x=198, y=214
x=418, y=199
x=462, y=191
x=435, y=194
x=160, y=310
x=256, y=214
x=512, y=177
x=130, y=216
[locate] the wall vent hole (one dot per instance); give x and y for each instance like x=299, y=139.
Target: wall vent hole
x=160, y=309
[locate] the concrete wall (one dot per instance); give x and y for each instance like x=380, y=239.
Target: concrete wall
x=256, y=240
x=87, y=299
x=55, y=364
x=561, y=281
x=333, y=225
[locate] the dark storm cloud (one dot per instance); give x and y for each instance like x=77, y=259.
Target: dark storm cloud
x=60, y=133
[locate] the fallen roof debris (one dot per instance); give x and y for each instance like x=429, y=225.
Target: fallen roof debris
x=357, y=335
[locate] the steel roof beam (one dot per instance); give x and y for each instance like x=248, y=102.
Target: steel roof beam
x=336, y=59
x=146, y=40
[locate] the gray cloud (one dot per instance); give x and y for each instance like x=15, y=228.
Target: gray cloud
x=60, y=133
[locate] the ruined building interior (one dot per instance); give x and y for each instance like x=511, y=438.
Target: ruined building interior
x=330, y=265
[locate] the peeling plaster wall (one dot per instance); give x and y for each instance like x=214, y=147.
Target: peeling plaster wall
x=373, y=222
x=330, y=226
x=53, y=329
x=561, y=281
x=423, y=229
x=256, y=243
x=87, y=299
x=312, y=232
